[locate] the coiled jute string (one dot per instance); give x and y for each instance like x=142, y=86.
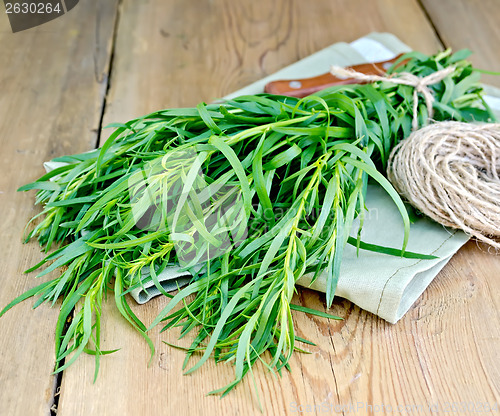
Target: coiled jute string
x=448, y=170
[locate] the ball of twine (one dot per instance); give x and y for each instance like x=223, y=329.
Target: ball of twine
x=450, y=172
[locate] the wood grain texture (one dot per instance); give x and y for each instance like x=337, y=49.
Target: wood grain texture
x=180, y=53
x=177, y=53
x=471, y=24
x=52, y=83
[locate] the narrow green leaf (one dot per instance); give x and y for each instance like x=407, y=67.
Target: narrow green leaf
x=310, y=311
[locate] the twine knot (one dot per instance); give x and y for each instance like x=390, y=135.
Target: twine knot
x=419, y=84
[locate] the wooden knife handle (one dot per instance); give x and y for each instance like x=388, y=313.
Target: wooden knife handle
x=307, y=86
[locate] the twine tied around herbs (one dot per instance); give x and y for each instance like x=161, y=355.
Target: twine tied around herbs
x=419, y=84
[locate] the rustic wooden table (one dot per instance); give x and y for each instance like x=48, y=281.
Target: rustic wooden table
x=113, y=60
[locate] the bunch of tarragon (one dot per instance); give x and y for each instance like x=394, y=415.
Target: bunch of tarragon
x=247, y=195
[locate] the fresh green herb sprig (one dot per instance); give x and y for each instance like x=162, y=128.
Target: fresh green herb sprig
x=247, y=195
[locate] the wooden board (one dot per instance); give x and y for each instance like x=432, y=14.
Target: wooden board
x=471, y=24
x=52, y=83
x=178, y=55
x=444, y=352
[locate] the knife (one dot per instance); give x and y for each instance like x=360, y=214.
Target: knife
x=307, y=86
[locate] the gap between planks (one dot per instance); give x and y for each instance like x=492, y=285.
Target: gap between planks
x=432, y=23
x=56, y=393
x=109, y=71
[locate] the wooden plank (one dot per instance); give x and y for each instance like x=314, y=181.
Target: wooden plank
x=443, y=353
x=180, y=53
x=471, y=24
x=53, y=79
